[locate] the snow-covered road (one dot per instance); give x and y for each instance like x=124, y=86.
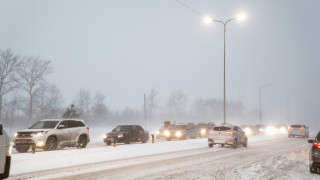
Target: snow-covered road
x=267, y=157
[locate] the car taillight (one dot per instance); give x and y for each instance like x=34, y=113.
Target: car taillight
x=290, y=128
x=229, y=132
x=211, y=132
x=301, y=128
x=316, y=145
x=88, y=128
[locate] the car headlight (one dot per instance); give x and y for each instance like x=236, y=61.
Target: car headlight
x=15, y=134
x=120, y=136
x=283, y=130
x=167, y=133
x=260, y=129
x=105, y=136
x=203, y=131
x=157, y=132
x=39, y=134
x=270, y=130
x=40, y=143
x=178, y=133
x=248, y=131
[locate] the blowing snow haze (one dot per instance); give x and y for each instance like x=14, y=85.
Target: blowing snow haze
x=124, y=49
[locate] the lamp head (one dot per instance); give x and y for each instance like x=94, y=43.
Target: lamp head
x=241, y=16
x=207, y=20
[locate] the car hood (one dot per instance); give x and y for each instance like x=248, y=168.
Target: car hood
x=34, y=130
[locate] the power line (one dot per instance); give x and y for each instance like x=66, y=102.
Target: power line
x=190, y=8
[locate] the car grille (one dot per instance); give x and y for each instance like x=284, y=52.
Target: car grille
x=24, y=135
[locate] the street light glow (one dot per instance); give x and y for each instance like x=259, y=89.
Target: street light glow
x=207, y=20
x=241, y=16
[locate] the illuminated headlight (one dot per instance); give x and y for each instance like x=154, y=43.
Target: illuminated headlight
x=157, y=132
x=283, y=130
x=15, y=134
x=104, y=136
x=9, y=150
x=178, y=134
x=40, y=143
x=203, y=132
x=248, y=131
x=120, y=136
x=39, y=134
x=167, y=133
x=260, y=129
x=270, y=130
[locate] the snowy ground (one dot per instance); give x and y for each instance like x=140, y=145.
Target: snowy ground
x=267, y=157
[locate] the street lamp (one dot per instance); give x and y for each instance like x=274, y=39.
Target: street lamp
x=288, y=105
x=260, y=99
x=209, y=20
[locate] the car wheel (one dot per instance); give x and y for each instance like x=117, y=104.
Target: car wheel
x=210, y=145
x=245, y=143
x=23, y=149
x=222, y=145
x=313, y=170
x=108, y=143
x=127, y=140
x=144, y=140
x=168, y=139
x=51, y=144
x=234, y=145
x=82, y=141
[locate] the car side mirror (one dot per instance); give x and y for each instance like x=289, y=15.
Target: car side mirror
x=60, y=126
x=310, y=141
x=1, y=130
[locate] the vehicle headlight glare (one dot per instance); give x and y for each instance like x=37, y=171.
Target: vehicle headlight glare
x=120, y=136
x=178, y=134
x=203, y=132
x=167, y=133
x=248, y=131
x=104, y=136
x=157, y=132
x=15, y=134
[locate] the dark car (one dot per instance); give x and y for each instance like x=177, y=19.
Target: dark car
x=126, y=134
x=204, y=128
x=181, y=131
x=314, y=155
x=166, y=126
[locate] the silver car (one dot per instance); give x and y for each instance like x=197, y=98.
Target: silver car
x=298, y=130
x=48, y=134
x=227, y=134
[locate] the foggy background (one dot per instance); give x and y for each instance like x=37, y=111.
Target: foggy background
x=103, y=56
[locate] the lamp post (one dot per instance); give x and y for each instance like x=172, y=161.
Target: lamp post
x=288, y=105
x=260, y=114
x=208, y=20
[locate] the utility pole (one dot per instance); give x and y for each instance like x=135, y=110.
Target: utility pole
x=145, y=112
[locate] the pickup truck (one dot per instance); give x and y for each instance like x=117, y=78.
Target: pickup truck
x=5, y=154
x=126, y=134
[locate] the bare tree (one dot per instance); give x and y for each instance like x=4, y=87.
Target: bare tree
x=177, y=102
x=83, y=100
x=152, y=102
x=99, y=109
x=9, y=65
x=32, y=74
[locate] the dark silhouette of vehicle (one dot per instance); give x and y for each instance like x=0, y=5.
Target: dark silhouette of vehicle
x=204, y=128
x=166, y=126
x=181, y=131
x=314, y=154
x=126, y=134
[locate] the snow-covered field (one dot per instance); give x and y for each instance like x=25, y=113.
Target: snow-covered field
x=267, y=157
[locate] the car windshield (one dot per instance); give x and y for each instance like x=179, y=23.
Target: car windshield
x=122, y=129
x=296, y=126
x=221, y=128
x=44, y=125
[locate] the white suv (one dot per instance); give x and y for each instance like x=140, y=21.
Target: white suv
x=5, y=154
x=50, y=133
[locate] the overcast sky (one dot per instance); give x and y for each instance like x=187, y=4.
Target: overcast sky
x=124, y=48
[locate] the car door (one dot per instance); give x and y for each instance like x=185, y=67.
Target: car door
x=3, y=144
x=134, y=134
x=141, y=132
x=62, y=133
x=238, y=134
x=73, y=131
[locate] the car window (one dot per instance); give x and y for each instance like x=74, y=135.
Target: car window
x=221, y=128
x=44, y=125
x=139, y=128
x=65, y=123
x=295, y=126
x=134, y=128
x=81, y=124
x=72, y=124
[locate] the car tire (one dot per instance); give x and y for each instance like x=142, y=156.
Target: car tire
x=108, y=143
x=234, y=145
x=51, y=144
x=23, y=149
x=210, y=145
x=245, y=143
x=144, y=140
x=82, y=142
x=127, y=140
x=222, y=145
x=313, y=170
x=168, y=139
